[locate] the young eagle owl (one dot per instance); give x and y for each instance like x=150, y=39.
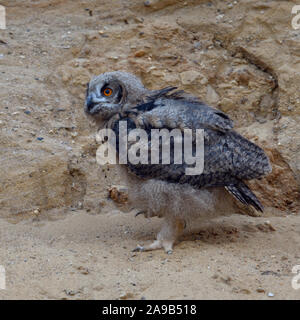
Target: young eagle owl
x=165, y=190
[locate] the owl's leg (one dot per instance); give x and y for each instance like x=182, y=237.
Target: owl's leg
x=171, y=230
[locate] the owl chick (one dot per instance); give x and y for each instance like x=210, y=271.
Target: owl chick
x=165, y=190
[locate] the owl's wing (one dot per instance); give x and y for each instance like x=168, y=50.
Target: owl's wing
x=178, y=110
x=229, y=158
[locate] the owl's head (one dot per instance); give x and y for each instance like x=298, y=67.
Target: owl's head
x=111, y=93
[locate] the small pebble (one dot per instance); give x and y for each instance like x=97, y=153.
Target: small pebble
x=70, y=292
x=270, y=294
x=139, y=53
x=126, y=295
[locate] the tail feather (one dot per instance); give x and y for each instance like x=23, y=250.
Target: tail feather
x=243, y=193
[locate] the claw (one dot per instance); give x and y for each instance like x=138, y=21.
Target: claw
x=138, y=249
x=140, y=212
x=169, y=252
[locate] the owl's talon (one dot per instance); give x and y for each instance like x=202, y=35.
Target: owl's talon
x=140, y=212
x=138, y=249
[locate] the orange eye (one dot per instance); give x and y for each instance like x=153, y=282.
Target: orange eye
x=107, y=92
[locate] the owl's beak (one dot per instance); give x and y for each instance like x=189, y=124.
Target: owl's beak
x=93, y=103
x=89, y=104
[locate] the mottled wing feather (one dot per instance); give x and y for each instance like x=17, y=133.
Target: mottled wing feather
x=182, y=114
x=242, y=192
x=229, y=158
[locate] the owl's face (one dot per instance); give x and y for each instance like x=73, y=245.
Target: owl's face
x=104, y=97
x=108, y=94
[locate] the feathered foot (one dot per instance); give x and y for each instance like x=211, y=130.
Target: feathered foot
x=166, y=238
x=157, y=244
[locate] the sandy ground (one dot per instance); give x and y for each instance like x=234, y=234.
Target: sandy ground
x=83, y=256
x=67, y=254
